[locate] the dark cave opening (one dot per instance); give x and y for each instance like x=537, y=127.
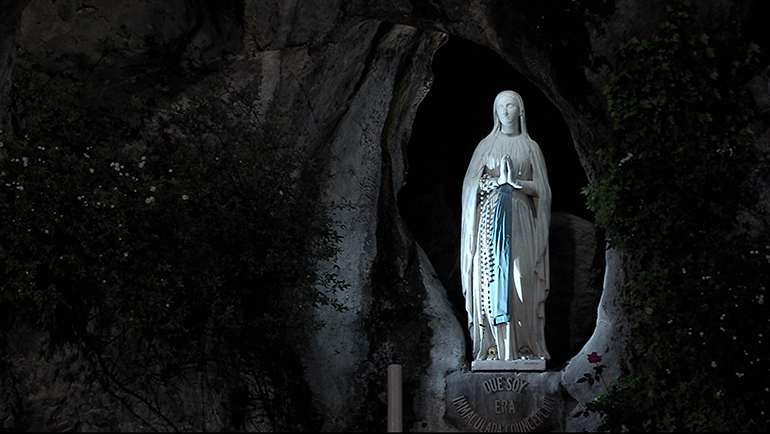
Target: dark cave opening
x=454, y=116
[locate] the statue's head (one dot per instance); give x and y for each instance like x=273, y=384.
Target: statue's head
x=508, y=108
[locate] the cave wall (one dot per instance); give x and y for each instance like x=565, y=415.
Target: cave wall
x=347, y=78
x=9, y=32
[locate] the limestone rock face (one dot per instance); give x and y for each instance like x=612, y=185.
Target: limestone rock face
x=345, y=77
x=606, y=340
x=349, y=88
x=577, y=264
x=390, y=311
x=9, y=30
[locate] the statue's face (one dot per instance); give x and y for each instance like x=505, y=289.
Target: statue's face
x=507, y=112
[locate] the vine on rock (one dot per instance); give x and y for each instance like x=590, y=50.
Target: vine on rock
x=675, y=197
x=185, y=243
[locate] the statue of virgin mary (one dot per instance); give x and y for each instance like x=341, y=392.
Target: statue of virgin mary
x=506, y=212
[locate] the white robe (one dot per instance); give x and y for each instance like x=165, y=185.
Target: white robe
x=524, y=334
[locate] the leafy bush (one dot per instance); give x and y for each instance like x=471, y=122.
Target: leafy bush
x=674, y=197
x=165, y=246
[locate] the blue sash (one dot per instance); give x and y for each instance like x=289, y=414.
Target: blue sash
x=501, y=249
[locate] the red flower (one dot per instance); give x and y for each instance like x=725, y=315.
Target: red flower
x=594, y=358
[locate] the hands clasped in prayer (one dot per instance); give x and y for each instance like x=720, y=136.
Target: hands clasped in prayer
x=509, y=172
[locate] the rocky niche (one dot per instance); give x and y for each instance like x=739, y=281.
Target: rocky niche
x=346, y=79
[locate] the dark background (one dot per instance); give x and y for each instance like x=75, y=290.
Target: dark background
x=457, y=113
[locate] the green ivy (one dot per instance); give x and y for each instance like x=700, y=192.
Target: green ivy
x=168, y=244
x=672, y=197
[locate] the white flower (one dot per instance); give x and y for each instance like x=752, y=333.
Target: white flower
x=152, y=188
x=91, y=170
x=19, y=187
x=149, y=200
x=626, y=158
x=713, y=364
x=185, y=197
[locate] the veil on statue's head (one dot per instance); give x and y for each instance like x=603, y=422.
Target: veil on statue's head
x=497, y=126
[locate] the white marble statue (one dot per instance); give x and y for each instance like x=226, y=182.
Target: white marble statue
x=506, y=211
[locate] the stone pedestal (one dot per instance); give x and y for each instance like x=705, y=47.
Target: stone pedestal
x=505, y=401
x=508, y=365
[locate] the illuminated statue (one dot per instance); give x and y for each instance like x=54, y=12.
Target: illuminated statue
x=506, y=211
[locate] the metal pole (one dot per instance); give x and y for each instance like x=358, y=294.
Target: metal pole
x=394, y=398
